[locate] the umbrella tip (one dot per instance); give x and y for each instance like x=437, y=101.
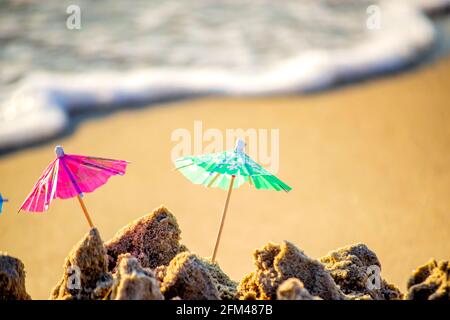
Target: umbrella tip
x=59, y=151
x=240, y=145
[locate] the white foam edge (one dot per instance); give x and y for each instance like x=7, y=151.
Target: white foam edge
x=45, y=100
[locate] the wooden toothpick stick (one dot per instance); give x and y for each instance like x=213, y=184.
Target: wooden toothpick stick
x=86, y=214
x=222, y=221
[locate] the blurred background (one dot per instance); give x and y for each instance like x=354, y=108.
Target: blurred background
x=357, y=89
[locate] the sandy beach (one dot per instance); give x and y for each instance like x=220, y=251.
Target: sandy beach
x=368, y=163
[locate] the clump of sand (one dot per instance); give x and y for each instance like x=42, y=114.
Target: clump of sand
x=356, y=270
x=430, y=282
x=153, y=239
x=145, y=261
x=276, y=263
x=190, y=277
x=294, y=289
x=133, y=282
x=227, y=288
x=85, y=271
x=12, y=279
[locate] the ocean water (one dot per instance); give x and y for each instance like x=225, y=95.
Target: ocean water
x=151, y=50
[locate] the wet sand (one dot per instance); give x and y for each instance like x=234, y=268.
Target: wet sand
x=368, y=163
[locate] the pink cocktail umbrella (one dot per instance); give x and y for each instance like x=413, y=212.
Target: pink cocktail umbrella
x=70, y=176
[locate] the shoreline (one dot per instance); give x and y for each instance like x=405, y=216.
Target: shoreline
x=53, y=99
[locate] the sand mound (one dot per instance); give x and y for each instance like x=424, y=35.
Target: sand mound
x=430, y=282
x=152, y=239
x=145, y=261
x=12, y=279
x=275, y=263
x=132, y=282
x=85, y=271
x=356, y=270
x=294, y=289
x=227, y=288
x=193, y=278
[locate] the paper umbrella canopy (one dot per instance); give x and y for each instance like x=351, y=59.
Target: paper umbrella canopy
x=228, y=170
x=69, y=176
x=217, y=170
x=1, y=202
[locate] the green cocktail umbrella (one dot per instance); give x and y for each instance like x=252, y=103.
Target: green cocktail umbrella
x=228, y=170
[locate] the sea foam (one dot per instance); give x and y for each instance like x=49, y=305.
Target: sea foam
x=42, y=103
